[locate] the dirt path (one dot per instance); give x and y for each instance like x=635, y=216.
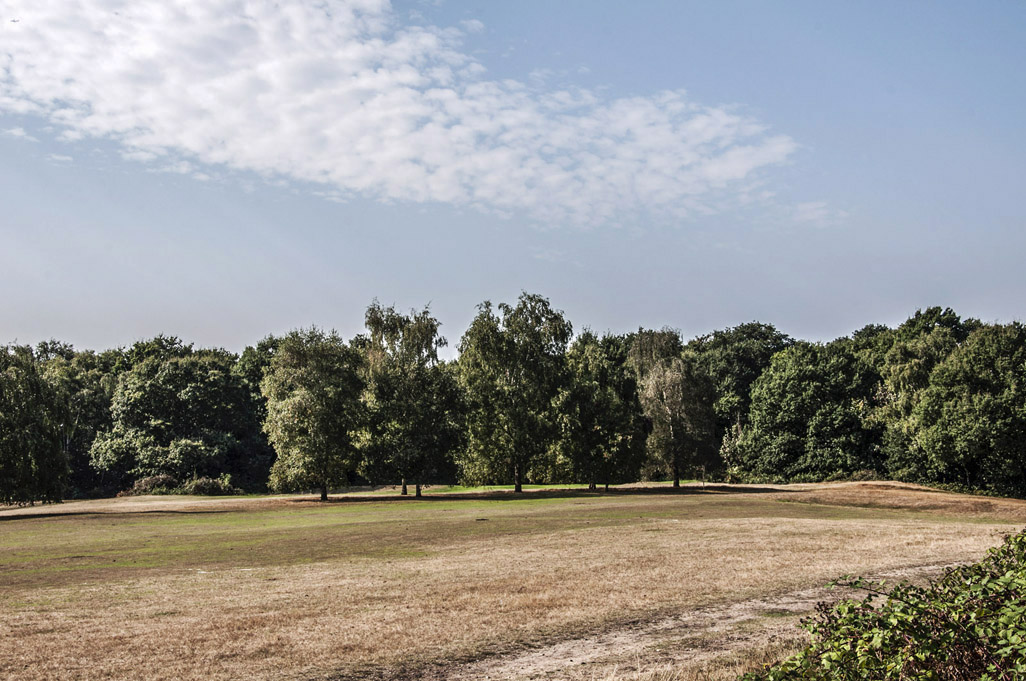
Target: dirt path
x=691, y=638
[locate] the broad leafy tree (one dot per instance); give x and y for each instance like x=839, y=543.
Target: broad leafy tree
x=678, y=397
x=734, y=358
x=315, y=413
x=916, y=347
x=970, y=423
x=602, y=427
x=808, y=416
x=33, y=466
x=83, y=384
x=184, y=415
x=413, y=399
x=512, y=366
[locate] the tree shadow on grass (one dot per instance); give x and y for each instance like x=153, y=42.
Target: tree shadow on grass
x=100, y=514
x=560, y=493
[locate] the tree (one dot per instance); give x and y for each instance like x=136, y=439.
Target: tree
x=808, y=416
x=970, y=424
x=678, y=400
x=250, y=369
x=734, y=358
x=916, y=347
x=314, y=411
x=511, y=366
x=411, y=397
x=33, y=466
x=602, y=427
x=649, y=347
x=182, y=415
x=83, y=384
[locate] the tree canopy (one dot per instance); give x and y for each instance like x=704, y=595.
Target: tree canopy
x=511, y=366
x=313, y=388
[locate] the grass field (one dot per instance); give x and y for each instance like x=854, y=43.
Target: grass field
x=459, y=584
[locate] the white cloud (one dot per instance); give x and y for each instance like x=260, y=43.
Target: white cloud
x=341, y=93
x=60, y=158
x=817, y=213
x=19, y=133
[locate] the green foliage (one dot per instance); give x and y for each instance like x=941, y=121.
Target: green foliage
x=969, y=624
x=734, y=358
x=413, y=399
x=83, y=384
x=184, y=415
x=970, y=422
x=314, y=411
x=677, y=397
x=215, y=487
x=166, y=484
x=808, y=416
x=511, y=367
x=937, y=400
x=602, y=427
x=152, y=484
x=33, y=464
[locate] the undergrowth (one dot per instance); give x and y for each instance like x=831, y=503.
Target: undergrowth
x=968, y=624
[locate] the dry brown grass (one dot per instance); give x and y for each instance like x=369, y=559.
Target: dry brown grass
x=279, y=589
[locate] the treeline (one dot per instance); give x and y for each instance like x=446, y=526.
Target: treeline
x=937, y=400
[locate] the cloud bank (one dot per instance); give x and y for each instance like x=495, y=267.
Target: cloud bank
x=342, y=93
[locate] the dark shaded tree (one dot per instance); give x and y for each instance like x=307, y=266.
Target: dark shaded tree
x=808, y=416
x=33, y=466
x=970, y=423
x=734, y=358
x=602, y=426
x=183, y=415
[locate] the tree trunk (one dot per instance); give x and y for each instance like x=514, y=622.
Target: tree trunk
x=592, y=486
x=404, y=492
x=418, y=490
x=517, y=483
x=676, y=475
x=607, y=485
x=324, y=491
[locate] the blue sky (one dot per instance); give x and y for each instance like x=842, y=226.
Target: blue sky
x=224, y=170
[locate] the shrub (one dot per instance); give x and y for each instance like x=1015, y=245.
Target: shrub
x=154, y=484
x=969, y=624
x=221, y=486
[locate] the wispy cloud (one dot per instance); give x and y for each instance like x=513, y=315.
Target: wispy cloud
x=19, y=133
x=817, y=213
x=342, y=93
x=60, y=158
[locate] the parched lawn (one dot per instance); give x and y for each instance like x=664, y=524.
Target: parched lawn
x=286, y=587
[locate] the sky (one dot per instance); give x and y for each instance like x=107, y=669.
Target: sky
x=226, y=169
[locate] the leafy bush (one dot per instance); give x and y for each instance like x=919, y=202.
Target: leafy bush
x=166, y=484
x=154, y=484
x=221, y=486
x=969, y=624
